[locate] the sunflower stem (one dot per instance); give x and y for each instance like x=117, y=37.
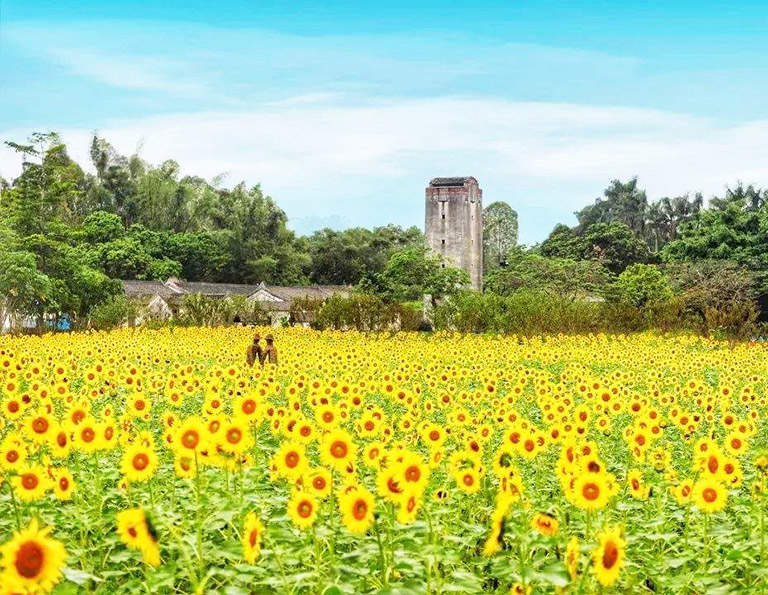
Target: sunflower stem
x=390, y=531
x=241, y=482
x=15, y=506
x=273, y=547
x=199, y=518
x=316, y=544
x=382, y=557
x=762, y=542
x=523, y=551
x=332, y=519
x=182, y=548
x=434, y=561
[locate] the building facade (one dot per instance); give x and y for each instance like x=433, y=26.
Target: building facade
x=454, y=224
x=164, y=299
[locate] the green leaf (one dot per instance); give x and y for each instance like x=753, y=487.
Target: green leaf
x=554, y=574
x=79, y=577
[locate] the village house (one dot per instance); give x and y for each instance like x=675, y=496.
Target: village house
x=163, y=299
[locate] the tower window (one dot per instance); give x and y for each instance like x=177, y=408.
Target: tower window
x=443, y=242
x=443, y=216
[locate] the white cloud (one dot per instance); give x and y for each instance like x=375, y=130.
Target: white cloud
x=368, y=164
x=127, y=72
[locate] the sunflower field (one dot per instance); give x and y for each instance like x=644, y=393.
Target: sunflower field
x=157, y=461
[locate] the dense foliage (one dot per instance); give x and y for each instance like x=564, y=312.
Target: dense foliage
x=67, y=236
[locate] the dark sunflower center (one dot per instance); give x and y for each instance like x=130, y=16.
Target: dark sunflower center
x=412, y=474
x=190, y=439
x=29, y=481
x=29, y=559
x=339, y=449
x=359, y=510
x=590, y=491
x=610, y=555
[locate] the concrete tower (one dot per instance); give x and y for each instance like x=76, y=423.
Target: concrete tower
x=454, y=224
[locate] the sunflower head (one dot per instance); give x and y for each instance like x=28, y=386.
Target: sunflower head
x=32, y=561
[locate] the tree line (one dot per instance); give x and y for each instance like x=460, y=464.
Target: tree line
x=67, y=236
x=631, y=264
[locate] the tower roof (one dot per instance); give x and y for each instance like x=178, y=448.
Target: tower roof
x=456, y=181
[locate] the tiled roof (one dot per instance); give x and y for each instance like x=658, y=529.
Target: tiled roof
x=176, y=288
x=457, y=181
x=146, y=289
x=222, y=289
x=316, y=291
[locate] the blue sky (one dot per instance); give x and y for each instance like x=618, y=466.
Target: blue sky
x=344, y=110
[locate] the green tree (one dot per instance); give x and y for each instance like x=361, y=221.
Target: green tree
x=528, y=270
x=114, y=188
x=499, y=234
x=203, y=256
x=641, y=284
x=24, y=291
x=414, y=272
x=50, y=183
x=623, y=202
x=611, y=244
x=115, y=311
x=100, y=227
x=345, y=257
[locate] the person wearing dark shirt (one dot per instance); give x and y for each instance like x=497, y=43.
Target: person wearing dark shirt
x=255, y=352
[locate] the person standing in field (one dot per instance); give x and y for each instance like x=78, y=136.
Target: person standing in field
x=270, y=353
x=254, y=352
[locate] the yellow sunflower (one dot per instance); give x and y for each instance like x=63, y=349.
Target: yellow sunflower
x=636, y=485
x=338, y=449
x=608, y=557
x=191, y=436
x=63, y=485
x=467, y=480
x=590, y=491
x=357, y=510
x=545, y=524
x=251, y=539
x=12, y=454
x=291, y=460
x=572, y=557
x=32, y=561
x=320, y=482
x=31, y=483
x=302, y=508
x=710, y=495
x=139, y=462
x=137, y=532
